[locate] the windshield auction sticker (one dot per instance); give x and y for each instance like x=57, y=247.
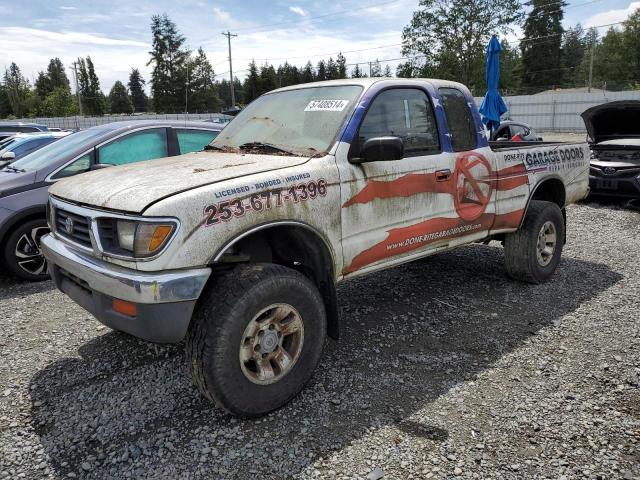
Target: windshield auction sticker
x=326, y=105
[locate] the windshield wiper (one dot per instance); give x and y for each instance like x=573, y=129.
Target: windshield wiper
x=213, y=147
x=258, y=145
x=14, y=169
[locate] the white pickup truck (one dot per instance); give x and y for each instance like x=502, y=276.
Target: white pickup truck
x=239, y=248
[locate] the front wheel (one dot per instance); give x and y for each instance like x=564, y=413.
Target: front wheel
x=255, y=338
x=532, y=253
x=22, y=254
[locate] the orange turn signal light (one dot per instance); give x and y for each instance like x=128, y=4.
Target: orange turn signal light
x=159, y=236
x=125, y=308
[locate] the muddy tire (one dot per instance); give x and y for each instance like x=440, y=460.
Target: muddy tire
x=532, y=253
x=21, y=254
x=255, y=338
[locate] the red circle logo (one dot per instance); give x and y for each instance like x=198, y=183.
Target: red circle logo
x=474, y=185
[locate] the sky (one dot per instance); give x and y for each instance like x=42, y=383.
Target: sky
x=116, y=33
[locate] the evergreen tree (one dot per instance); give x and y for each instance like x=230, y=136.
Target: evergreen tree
x=510, y=69
x=91, y=96
x=356, y=72
x=251, y=83
x=321, y=71
x=342, y=66
x=203, y=95
x=139, y=98
x=268, y=78
x=5, y=107
x=332, y=69
x=307, y=75
x=57, y=75
x=387, y=72
x=119, y=101
x=542, y=45
x=41, y=85
x=18, y=90
x=573, y=51
x=169, y=60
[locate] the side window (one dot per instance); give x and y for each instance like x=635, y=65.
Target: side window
x=519, y=130
x=31, y=146
x=194, y=140
x=459, y=118
x=81, y=165
x=135, y=147
x=404, y=113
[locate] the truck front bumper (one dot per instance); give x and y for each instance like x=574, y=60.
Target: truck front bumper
x=164, y=300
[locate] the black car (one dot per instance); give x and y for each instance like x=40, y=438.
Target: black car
x=24, y=183
x=614, y=136
x=8, y=129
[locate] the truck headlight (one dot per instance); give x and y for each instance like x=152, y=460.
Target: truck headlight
x=143, y=239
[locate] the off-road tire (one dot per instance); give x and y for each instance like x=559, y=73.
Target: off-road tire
x=218, y=325
x=520, y=247
x=9, y=259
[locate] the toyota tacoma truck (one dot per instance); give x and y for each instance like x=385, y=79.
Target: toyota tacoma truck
x=238, y=249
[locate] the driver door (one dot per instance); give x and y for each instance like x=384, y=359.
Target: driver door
x=385, y=203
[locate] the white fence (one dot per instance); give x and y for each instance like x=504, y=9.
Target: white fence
x=559, y=112
x=78, y=122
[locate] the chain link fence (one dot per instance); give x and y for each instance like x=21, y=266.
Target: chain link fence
x=78, y=123
x=552, y=112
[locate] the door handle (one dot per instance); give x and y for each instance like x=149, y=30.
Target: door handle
x=442, y=175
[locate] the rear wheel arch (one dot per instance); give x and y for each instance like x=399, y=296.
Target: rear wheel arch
x=552, y=190
x=295, y=245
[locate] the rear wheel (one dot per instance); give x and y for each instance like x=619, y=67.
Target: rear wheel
x=22, y=254
x=532, y=253
x=255, y=338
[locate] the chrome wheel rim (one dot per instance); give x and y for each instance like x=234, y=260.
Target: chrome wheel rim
x=28, y=254
x=547, y=240
x=271, y=344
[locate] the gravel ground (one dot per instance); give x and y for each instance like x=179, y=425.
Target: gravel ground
x=446, y=369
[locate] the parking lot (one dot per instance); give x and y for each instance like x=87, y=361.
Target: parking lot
x=445, y=369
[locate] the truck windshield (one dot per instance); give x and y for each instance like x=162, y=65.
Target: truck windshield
x=303, y=121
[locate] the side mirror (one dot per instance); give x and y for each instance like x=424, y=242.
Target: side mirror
x=8, y=156
x=379, y=149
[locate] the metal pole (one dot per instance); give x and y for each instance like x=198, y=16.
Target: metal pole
x=186, y=92
x=228, y=34
x=591, y=67
x=75, y=76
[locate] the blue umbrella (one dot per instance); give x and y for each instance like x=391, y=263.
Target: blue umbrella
x=493, y=105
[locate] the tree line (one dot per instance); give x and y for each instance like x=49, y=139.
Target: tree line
x=444, y=39
x=447, y=39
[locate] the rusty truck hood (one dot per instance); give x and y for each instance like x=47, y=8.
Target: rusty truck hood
x=132, y=188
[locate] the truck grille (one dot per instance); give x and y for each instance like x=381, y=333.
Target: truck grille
x=73, y=227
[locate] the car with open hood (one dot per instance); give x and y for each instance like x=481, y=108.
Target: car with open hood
x=614, y=137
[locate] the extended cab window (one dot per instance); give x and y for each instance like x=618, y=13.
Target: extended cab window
x=404, y=113
x=194, y=140
x=135, y=147
x=459, y=118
